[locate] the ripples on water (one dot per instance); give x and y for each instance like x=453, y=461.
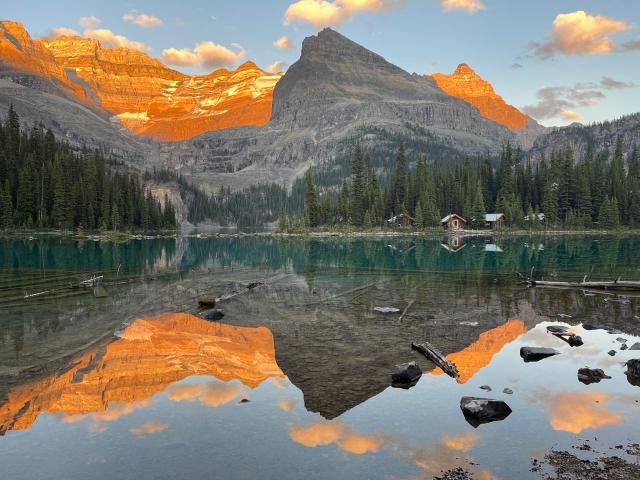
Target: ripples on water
x=294, y=382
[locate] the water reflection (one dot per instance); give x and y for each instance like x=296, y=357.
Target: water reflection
x=117, y=378
x=298, y=371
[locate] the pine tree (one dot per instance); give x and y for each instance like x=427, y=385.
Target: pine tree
x=358, y=198
x=478, y=211
x=311, y=202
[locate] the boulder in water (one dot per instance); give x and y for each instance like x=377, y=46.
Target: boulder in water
x=633, y=372
x=406, y=375
x=591, y=375
x=477, y=411
x=535, y=354
x=213, y=314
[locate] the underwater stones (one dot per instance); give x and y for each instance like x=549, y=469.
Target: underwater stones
x=477, y=411
x=207, y=302
x=535, y=354
x=213, y=314
x=406, y=375
x=386, y=310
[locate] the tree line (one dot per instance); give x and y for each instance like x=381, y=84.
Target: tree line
x=44, y=183
x=602, y=190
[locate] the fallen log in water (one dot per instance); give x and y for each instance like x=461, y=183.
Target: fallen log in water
x=436, y=357
x=610, y=285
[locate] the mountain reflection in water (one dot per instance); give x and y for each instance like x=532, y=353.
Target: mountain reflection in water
x=152, y=355
x=295, y=380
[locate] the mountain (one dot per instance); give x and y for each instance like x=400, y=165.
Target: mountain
x=466, y=84
x=336, y=92
x=601, y=136
x=131, y=88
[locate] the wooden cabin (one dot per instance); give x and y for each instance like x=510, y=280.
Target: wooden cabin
x=494, y=220
x=453, y=222
x=402, y=220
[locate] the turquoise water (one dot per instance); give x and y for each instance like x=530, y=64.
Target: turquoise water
x=137, y=385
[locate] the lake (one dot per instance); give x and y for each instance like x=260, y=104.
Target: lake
x=294, y=382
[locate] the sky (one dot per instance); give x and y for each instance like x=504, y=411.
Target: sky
x=558, y=60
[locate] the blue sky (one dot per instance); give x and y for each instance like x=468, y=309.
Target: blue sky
x=559, y=81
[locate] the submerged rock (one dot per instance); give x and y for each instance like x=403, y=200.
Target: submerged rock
x=633, y=371
x=623, y=346
x=557, y=329
x=611, y=352
x=386, y=310
x=621, y=340
x=508, y=391
x=535, y=354
x=485, y=387
x=207, y=302
x=591, y=375
x=406, y=375
x=635, y=346
x=477, y=411
x=213, y=314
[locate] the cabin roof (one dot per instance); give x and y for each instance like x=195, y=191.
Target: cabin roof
x=451, y=216
x=493, y=217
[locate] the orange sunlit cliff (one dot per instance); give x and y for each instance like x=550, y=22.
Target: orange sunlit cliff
x=152, y=355
x=466, y=84
x=480, y=353
x=139, y=91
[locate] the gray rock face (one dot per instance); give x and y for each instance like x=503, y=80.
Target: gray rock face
x=332, y=94
x=602, y=135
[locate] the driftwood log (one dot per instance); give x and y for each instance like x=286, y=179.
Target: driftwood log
x=611, y=285
x=438, y=358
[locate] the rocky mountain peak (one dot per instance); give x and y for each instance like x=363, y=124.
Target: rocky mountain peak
x=466, y=84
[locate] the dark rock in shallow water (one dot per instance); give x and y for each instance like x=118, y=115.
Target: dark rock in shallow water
x=624, y=346
x=557, y=329
x=611, y=352
x=483, y=410
x=207, y=302
x=633, y=372
x=406, y=375
x=635, y=346
x=591, y=375
x=508, y=391
x=244, y=400
x=589, y=326
x=621, y=340
x=214, y=314
x=535, y=354
x=485, y=387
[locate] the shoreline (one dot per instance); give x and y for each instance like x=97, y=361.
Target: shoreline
x=434, y=233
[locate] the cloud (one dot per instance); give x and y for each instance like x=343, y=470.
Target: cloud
x=212, y=394
x=612, y=84
x=89, y=22
x=118, y=410
x=142, y=20
x=277, y=67
x=469, y=6
x=324, y=432
x=109, y=39
x=333, y=13
x=287, y=405
x=575, y=412
x=581, y=33
x=571, y=115
x=554, y=102
x=517, y=66
x=62, y=32
x=283, y=42
x=205, y=54
x=148, y=428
